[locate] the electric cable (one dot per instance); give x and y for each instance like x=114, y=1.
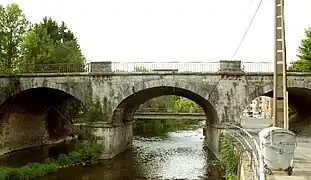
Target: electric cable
x=238, y=48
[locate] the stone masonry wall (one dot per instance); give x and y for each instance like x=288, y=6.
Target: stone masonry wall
x=115, y=139
x=23, y=130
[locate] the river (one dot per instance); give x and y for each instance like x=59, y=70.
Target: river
x=178, y=155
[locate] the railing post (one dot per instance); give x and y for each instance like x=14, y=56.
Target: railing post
x=226, y=65
x=104, y=66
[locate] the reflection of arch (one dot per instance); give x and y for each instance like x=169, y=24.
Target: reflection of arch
x=126, y=109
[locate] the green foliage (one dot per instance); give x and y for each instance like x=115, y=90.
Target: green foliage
x=89, y=152
x=50, y=43
x=175, y=104
x=13, y=26
x=304, y=62
x=29, y=48
x=92, y=112
x=300, y=66
x=161, y=127
x=228, y=157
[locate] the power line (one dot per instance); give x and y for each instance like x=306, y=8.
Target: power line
x=249, y=26
x=241, y=42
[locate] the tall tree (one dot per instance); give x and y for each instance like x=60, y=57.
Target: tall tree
x=50, y=43
x=13, y=26
x=303, y=64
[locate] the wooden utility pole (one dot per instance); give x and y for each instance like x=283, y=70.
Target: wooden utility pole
x=280, y=79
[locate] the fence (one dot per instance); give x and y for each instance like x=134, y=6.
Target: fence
x=249, y=143
x=53, y=68
x=143, y=67
x=186, y=66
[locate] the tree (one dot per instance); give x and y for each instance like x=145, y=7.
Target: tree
x=304, y=62
x=13, y=26
x=50, y=43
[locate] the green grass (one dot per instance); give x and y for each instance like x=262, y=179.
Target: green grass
x=87, y=154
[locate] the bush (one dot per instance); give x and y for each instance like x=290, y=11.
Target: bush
x=228, y=157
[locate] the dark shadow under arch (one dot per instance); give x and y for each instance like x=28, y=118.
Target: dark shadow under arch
x=299, y=100
x=34, y=116
x=126, y=109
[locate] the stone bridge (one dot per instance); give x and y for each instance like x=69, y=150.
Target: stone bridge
x=29, y=102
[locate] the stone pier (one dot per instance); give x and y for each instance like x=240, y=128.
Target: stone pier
x=114, y=139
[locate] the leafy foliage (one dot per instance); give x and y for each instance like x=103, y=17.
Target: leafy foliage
x=175, y=104
x=50, y=43
x=162, y=127
x=304, y=62
x=89, y=153
x=24, y=46
x=13, y=26
x=228, y=157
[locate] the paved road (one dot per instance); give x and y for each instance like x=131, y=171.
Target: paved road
x=302, y=160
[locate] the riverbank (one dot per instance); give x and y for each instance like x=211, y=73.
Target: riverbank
x=6, y=151
x=178, y=155
x=88, y=153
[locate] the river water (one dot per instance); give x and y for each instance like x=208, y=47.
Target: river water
x=178, y=155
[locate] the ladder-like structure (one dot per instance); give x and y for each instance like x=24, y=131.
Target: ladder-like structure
x=280, y=79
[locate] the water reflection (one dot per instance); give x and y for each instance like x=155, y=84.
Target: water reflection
x=178, y=155
x=36, y=154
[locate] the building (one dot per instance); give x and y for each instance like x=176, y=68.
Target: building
x=261, y=107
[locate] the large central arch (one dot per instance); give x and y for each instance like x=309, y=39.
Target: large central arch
x=126, y=109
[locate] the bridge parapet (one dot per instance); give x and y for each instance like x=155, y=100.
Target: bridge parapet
x=227, y=65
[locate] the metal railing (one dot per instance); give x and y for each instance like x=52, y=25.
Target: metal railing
x=250, y=144
x=49, y=68
x=140, y=67
x=166, y=110
x=186, y=66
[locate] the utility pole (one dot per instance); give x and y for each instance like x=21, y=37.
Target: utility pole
x=280, y=79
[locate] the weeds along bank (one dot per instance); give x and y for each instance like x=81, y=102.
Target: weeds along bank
x=229, y=157
x=88, y=153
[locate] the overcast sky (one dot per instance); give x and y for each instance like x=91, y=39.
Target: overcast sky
x=173, y=30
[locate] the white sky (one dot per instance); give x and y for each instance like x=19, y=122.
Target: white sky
x=172, y=30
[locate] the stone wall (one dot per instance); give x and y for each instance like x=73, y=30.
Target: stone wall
x=223, y=95
x=114, y=139
x=21, y=130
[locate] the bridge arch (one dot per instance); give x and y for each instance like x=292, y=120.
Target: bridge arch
x=12, y=86
x=33, y=117
x=299, y=101
x=126, y=109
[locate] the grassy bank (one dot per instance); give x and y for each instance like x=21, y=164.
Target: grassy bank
x=89, y=153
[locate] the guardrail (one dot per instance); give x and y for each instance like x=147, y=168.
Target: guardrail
x=108, y=66
x=54, y=68
x=249, y=143
x=186, y=66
